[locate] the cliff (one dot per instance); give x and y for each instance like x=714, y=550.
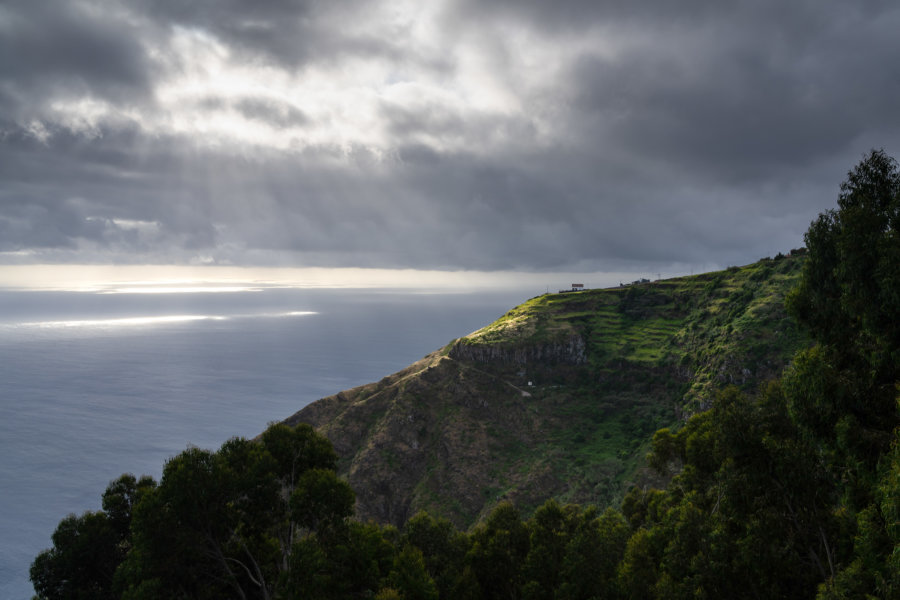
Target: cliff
x=571, y=351
x=559, y=397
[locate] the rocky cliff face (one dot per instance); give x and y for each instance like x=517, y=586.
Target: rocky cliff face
x=571, y=351
x=433, y=436
x=559, y=398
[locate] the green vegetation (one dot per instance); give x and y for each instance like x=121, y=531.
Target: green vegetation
x=717, y=325
x=791, y=491
x=560, y=397
x=226, y=524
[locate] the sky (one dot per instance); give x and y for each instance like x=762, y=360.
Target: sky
x=573, y=136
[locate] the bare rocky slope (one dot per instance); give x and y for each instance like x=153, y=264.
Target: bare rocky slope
x=559, y=397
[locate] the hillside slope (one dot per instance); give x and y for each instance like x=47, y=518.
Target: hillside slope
x=559, y=397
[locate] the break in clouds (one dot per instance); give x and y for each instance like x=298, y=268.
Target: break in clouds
x=578, y=135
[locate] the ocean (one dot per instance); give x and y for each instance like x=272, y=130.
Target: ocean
x=93, y=385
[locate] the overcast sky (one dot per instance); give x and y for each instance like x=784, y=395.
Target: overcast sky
x=506, y=135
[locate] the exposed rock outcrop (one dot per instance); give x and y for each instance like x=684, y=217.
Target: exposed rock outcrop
x=571, y=351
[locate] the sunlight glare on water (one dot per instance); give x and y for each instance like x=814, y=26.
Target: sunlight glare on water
x=133, y=321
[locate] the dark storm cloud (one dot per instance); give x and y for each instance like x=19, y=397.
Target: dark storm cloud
x=502, y=135
x=743, y=100
x=51, y=48
x=72, y=191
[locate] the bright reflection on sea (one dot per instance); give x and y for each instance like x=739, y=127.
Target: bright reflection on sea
x=156, y=320
x=132, y=321
x=181, y=289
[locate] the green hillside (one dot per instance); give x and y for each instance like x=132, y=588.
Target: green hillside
x=558, y=398
x=727, y=326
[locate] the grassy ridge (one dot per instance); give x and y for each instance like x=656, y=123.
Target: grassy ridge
x=716, y=326
x=560, y=396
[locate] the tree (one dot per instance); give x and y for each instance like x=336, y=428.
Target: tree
x=444, y=551
x=88, y=549
x=637, y=573
x=842, y=393
x=225, y=523
x=593, y=551
x=350, y=562
x=847, y=299
x=875, y=569
x=296, y=450
x=409, y=577
x=120, y=498
x=752, y=513
x=549, y=534
x=320, y=500
x=81, y=563
x=188, y=534
x=497, y=555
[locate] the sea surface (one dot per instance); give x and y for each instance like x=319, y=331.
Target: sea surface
x=93, y=385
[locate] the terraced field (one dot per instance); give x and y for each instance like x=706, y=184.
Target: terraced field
x=727, y=326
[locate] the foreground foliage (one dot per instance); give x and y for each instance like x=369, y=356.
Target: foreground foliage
x=791, y=493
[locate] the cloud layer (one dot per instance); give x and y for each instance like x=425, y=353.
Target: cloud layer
x=450, y=135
